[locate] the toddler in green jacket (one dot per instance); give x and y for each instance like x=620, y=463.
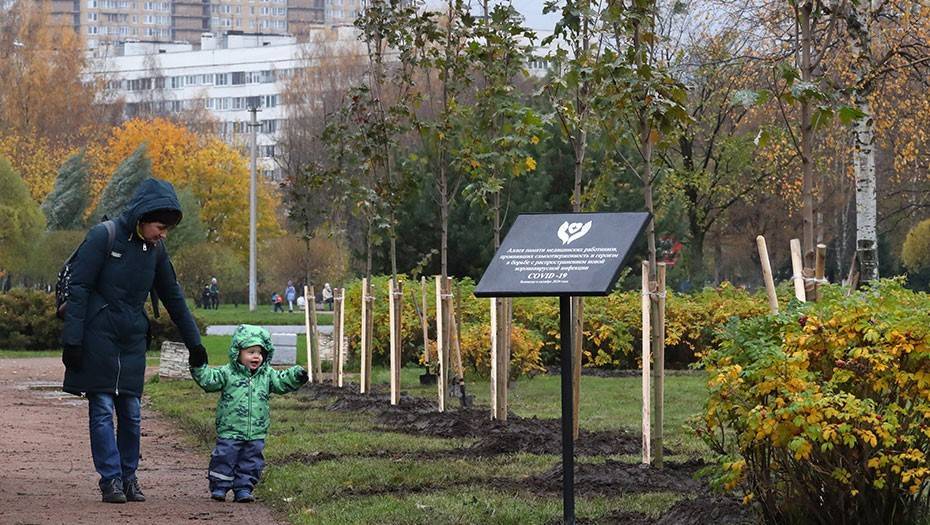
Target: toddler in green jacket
x=242, y=413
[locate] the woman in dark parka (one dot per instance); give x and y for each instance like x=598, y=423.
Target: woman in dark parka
x=105, y=333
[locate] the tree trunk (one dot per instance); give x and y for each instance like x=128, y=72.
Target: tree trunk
x=807, y=136
x=696, y=231
x=497, y=220
x=696, y=258
x=577, y=303
x=646, y=143
x=858, y=24
x=307, y=264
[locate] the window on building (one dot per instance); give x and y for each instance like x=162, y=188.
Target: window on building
x=238, y=78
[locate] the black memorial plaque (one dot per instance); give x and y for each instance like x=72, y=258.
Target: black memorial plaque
x=557, y=254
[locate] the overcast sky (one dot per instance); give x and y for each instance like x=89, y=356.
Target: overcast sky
x=531, y=9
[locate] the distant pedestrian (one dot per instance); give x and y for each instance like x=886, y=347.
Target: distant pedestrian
x=205, y=300
x=277, y=302
x=301, y=303
x=290, y=293
x=327, y=297
x=214, y=294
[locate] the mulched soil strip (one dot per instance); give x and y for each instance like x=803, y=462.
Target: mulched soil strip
x=709, y=509
x=617, y=518
x=419, y=416
x=613, y=478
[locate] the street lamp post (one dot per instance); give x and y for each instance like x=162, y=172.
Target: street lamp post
x=253, y=182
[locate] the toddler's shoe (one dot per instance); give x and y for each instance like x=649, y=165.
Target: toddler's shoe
x=244, y=496
x=218, y=494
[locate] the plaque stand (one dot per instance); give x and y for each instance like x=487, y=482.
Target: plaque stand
x=568, y=255
x=568, y=437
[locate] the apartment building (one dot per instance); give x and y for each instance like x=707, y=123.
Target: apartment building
x=109, y=21
x=225, y=75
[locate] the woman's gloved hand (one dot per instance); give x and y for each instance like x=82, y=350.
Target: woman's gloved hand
x=197, y=356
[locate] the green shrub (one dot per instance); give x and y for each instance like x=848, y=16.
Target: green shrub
x=613, y=324
x=162, y=329
x=612, y=329
x=820, y=413
x=473, y=312
x=27, y=320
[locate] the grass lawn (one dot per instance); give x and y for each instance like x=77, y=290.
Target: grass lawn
x=6, y=354
x=263, y=315
x=341, y=468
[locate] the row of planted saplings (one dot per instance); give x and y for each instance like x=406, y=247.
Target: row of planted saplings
x=448, y=347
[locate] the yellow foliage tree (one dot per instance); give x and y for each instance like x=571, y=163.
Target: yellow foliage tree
x=217, y=174
x=46, y=100
x=36, y=159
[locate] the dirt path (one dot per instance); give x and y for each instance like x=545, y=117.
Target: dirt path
x=47, y=476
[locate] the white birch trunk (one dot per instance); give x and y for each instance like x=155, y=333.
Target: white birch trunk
x=858, y=23
x=866, y=202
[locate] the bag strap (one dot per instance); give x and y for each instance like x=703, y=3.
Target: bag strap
x=153, y=295
x=111, y=234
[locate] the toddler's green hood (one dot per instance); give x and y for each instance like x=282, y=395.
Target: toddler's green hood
x=247, y=335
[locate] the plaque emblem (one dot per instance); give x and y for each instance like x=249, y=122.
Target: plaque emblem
x=569, y=232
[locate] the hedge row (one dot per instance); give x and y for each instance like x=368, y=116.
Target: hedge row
x=28, y=322
x=612, y=328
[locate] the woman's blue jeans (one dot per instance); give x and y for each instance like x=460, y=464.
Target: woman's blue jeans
x=116, y=453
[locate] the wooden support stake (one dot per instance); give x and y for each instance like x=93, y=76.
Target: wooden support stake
x=577, y=347
x=455, y=330
x=495, y=339
x=364, y=334
x=647, y=334
x=367, y=326
x=767, y=274
x=798, y=268
x=505, y=359
x=820, y=269
x=395, y=308
x=424, y=321
x=500, y=356
x=659, y=370
x=442, y=343
x=307, y=331
x=339, y=323
x=313, y=340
